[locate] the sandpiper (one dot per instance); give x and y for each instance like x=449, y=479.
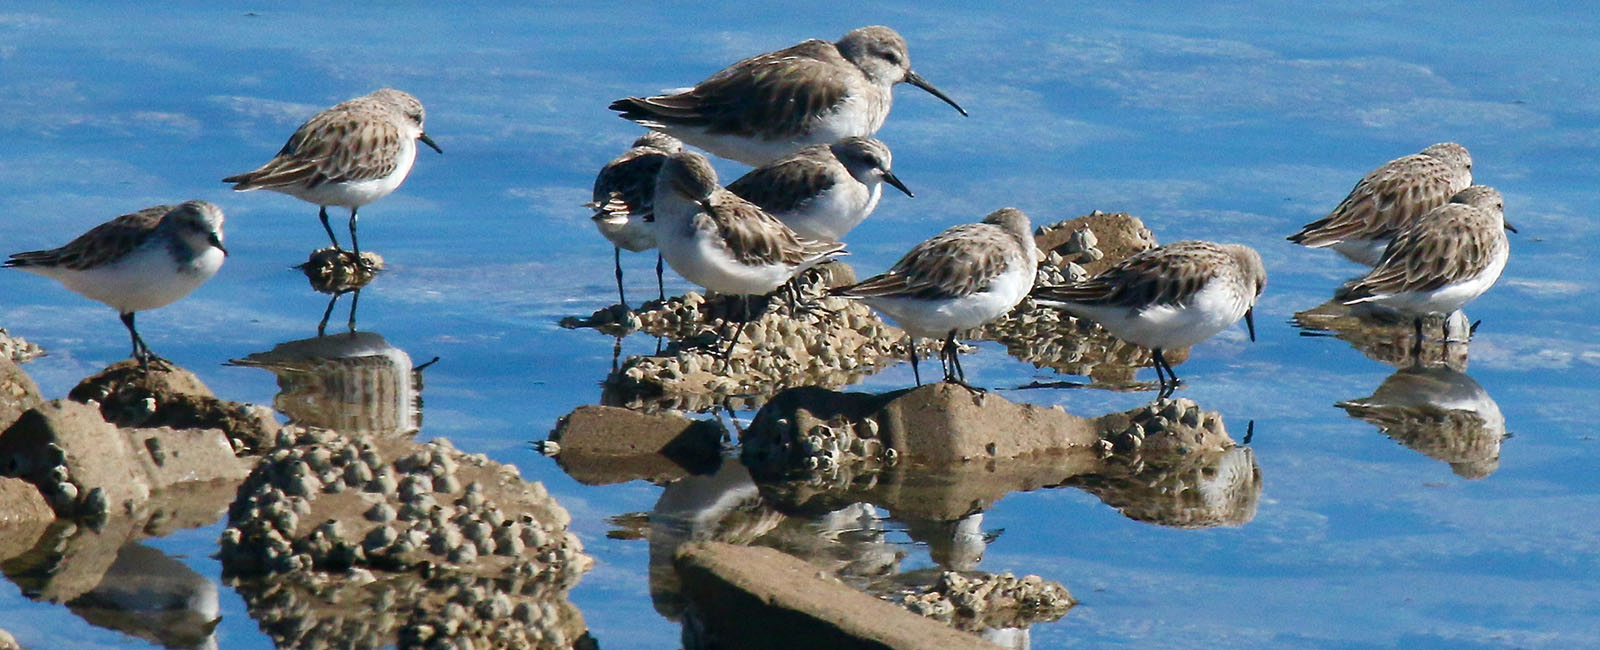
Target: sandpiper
x=770, y=105
x=1168, y=297
x=724, y=243
x=1442, y=261
x=624, y=194
x=823, y=191
x=956, y=280
x=349, y=155
x=137, y=261
x=1387, y=199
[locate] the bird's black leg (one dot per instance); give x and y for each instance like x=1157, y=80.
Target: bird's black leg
x=141, y=350
x=355, y=244
x=355, y=299
x=661, y=287
x=1170, y=383
x=956, y=375
x=727, y=353
x=1416, y=347
x=911, y=344
x=322, y=325
x=617, y=258
x=322, y=213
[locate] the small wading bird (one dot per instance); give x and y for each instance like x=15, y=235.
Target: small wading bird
x=349, y=155
x=137, y=261
x=1168, y=297
x=1442, y=261
x=956, y=280
x=1388, y=199
x=823, y=191
x=771, y=105
x=624, y=199
x=724, y=243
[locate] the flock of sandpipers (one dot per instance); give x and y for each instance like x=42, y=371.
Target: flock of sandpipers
x=804, y=117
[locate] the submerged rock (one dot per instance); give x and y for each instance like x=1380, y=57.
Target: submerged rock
x=974, y=601
x=330, y=270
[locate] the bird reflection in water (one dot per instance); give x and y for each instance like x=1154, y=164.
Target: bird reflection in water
x=352, y=382
x=1440, y=412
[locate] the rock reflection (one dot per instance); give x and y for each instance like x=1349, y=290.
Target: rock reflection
x=353, y=382
x=104, y=575
x=1440, y=412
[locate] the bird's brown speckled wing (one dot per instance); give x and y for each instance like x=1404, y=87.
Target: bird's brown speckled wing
x=961, y=261
x=770, y=95
x=788, y=184
x=756, y=238
x=1167, y=275
x=103, y=244
x=349, y=142
x=1452, y=244
x=1384, y=201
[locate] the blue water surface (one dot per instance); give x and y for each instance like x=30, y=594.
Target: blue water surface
x=1227, y=121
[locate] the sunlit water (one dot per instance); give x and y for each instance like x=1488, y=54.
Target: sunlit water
x=1228, y=123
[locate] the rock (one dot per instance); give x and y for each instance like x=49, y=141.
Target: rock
x=313, y=567
x=747, y=597
x=974, y=601
x=17, y=350
x=937, y=424
x=18, y=393
x=22, y=503
x=825, y=341
x=330, y=270
x=1116, y=236
x=173, y=397
x=601, y=445
x=67, y=443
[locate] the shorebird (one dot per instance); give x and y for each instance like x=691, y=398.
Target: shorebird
x=956, y=280
x=823, y=191
x=137, y=261
x=724, y=243
x=624, y=197
x=771, y=105
x=349, y=155
x=1387, y=199
x=1444, y=260
x=1168, y=297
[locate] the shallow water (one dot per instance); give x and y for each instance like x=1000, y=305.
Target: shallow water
x=1224, y=123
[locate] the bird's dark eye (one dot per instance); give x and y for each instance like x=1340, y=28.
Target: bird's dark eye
x=892, y=57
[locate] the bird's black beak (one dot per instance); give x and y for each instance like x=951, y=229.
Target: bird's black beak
x=429, y=141
x=1250, y=322
x=917, y=80
x=1510, y=227
x=890, y=178
x=214, y=240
